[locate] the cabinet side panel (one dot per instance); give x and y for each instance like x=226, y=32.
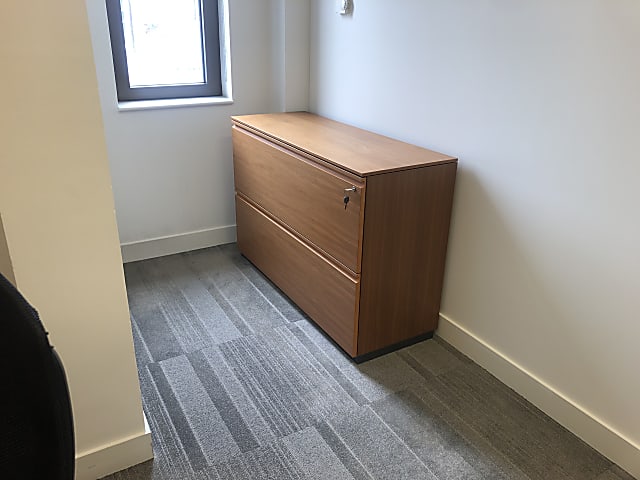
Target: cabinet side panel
x=406, y=229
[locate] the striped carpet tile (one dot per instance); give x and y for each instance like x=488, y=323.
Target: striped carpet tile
x=238, y=384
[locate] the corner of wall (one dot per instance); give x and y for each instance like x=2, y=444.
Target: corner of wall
x=115, y=456
x=6, y=267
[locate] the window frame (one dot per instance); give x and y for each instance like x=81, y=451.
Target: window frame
x=213, y=85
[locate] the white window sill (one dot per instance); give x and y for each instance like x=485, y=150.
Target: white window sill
x=173, y=103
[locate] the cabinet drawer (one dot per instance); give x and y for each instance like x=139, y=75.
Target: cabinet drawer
x=324, y=292
x=306, y=196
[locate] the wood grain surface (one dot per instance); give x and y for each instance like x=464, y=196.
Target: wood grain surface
x=304, y=195
x=404, y=247
x=355, y=150
x=371, y=274
x=327, y=294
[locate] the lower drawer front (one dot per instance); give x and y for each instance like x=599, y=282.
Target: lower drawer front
x=325, y=293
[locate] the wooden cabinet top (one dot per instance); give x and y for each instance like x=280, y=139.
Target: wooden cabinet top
x=353, y=149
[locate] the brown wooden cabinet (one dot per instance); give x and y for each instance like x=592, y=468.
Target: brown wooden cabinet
x=351, y=225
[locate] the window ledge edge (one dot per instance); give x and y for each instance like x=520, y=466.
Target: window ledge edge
x=129, y=106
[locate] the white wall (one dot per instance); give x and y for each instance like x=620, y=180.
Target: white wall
x=172, y=169
x=58, y=218
x=540, y=101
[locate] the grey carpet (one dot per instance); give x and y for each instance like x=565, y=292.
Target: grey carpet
x=238, y=384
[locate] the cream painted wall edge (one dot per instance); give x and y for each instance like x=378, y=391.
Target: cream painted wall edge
x=588, y=427
x=112, y=458
x=183, y=242
x=6, y=267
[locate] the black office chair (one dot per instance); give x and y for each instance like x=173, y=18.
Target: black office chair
x=36, y=422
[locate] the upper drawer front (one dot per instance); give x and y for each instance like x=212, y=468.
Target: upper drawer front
x=306, y=196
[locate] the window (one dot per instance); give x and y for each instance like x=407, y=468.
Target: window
x=165, y=49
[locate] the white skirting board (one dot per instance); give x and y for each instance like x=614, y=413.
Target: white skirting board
x=183, y=242
x=115, y=457
x=589, y=428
